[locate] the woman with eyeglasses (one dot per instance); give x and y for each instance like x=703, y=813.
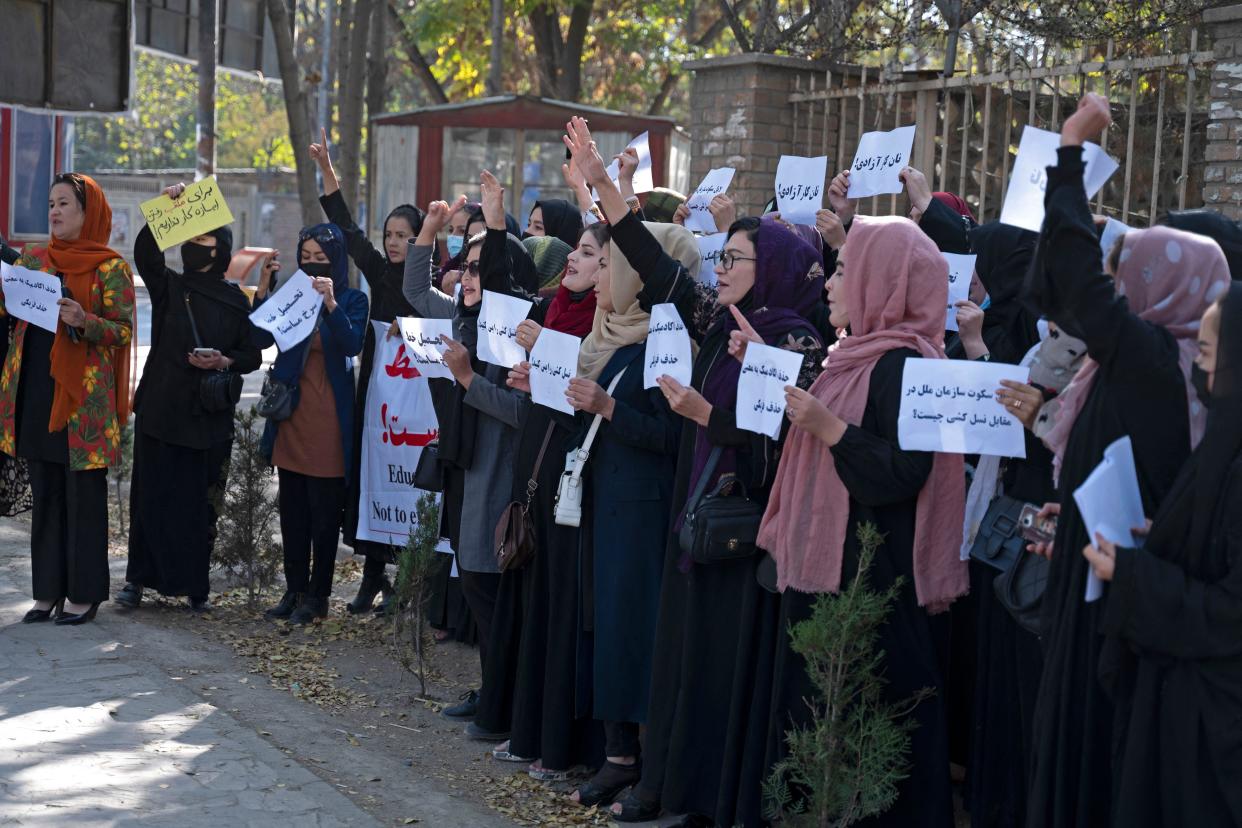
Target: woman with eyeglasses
x=313, y=450
x=715, y=640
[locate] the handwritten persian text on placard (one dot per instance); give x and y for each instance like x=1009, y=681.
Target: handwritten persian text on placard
x=199, y=210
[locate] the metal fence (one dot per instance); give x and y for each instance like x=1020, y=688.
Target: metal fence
x=968, y=125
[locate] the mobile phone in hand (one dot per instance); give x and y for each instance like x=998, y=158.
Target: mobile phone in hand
x=1034, y=528
x=206, y=352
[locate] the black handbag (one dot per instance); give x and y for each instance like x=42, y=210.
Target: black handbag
x=719, y=526
x=427, y=474
x=277, y=397
x=218, y=391
x=999, y=541
x=1020, y=590
x=1023, y=575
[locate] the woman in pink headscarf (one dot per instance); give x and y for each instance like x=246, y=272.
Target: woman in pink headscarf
x=843, y=466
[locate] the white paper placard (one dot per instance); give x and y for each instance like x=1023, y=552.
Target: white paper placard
x=422, y=347
x=761, y=387
x=668, y=347
x=553, y=363
x=31, y=295
x=710, y=249
x=950, y=406
x=1111, y=504
x=1112, y=229
x=289, y=314
x=643, y=180
x=961, y=271
x=800, y=187
x=714, y=183
x=498, y=321
x=878, y=161
x=1024, y=200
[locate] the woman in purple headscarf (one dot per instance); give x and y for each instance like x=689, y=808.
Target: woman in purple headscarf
x=715, y=641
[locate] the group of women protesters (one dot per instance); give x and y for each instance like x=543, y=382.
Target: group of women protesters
x=672, y=676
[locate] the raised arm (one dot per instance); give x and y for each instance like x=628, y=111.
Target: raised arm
x=417, y=287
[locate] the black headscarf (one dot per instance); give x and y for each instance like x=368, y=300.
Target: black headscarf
x=1226, y=233
x=211, y=283
x=1003, y=255
x=560, y=219
x=511, y=225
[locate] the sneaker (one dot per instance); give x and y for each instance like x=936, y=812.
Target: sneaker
x=478, y=734
x=466, y=708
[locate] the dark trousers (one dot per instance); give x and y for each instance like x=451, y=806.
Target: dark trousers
x=69, y=533
x=621, y=739
x=374, y=568
x=479, y=589
x=310, y=519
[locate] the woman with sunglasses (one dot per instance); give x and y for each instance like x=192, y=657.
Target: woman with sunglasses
x=313, y=450
x=712, y=668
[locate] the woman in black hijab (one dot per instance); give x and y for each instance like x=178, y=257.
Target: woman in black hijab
x=1003, y=254
x=1172, y=661
x=384, y=271
x=1226, y=233
x=181, y=445
x=555, y=217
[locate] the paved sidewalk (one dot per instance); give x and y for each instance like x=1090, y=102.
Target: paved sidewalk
x=110, y=724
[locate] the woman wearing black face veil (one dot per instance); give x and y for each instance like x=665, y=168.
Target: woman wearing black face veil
x=1003, y=254
x=1172, y=661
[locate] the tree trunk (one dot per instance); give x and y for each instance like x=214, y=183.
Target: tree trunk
x=205, y=112
x=546, y=32
x=295, y=108
x=340, y=46
x=349, y=104
x=419, y=63
x=377, y=94
x=495, y=67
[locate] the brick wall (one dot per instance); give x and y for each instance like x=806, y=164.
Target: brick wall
x=1222, y=176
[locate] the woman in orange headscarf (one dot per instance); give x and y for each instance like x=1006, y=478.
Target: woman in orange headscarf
x=64, y=398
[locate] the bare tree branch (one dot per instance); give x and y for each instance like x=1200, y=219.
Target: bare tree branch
x=409, y=44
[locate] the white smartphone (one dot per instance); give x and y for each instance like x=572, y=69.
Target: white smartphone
x=205, y=352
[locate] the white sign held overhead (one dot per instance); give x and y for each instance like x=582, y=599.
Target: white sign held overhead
x=761, y=387
x=31, y=295
x=423, y=348
x=1024, y=200
x=800, y=187
x=289, y=314
x=879, y=160
x=710, y=250
x=643, y=180
x=950, y=406
x=553, y=363
x=1111, y=504
x=498, y=321
x=668, y=347
x=714, y=183
x=961, y=271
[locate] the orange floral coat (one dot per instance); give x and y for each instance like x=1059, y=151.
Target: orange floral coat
x=94, y=433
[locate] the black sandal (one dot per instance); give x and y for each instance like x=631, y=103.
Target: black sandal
x=635, y=809
x=607, y=783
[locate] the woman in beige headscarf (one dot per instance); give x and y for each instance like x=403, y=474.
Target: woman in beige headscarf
x=629, y=486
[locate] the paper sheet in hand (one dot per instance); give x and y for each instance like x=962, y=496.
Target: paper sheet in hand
x=950, y=405
x=1112, y=229
x=289, y=314
x=800, y=187
x=668, y=347
x=761, y=387
x=1111, y=504
x=199, y=210
x=31, y=295
x=643, y=181
x=553, y=363
x=423, y=349
x=714, y=183
x=710, y=249
x=961, y=270
x=879, y=159
x=498, y=321
x=1024, y=200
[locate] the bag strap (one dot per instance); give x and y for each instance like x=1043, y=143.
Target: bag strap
x=708, y=470
x=198, y=343
x=533, y=483
x=584, y=452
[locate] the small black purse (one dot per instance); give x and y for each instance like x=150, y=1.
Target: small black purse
x=427, y=474
x=719, y=526
x=999, y=541
x=1023, y=575
x=218, y=391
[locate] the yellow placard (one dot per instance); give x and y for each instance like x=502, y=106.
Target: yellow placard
x=199, y=210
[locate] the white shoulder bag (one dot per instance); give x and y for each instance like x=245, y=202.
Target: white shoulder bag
x=568, y=511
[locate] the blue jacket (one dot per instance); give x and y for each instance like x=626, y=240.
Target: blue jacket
x=343, y=332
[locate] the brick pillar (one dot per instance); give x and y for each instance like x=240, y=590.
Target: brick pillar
x=1222, y=176
x=741, y=118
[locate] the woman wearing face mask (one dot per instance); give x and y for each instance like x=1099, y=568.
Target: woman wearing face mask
x=479, y=415
x=1172, y=661
x=711, y=669
x=1141, y=331
x=555, y=217
x=181, y=446
x=313, y=450
x=64, y=398
x=466, y=222
x=384, y=271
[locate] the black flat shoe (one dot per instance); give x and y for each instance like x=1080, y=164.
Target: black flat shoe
x=635, y=809
x=199, y=605
x=311, y=609
x=608, y=783
x=288, y=603
x=464, y=709
x=73, y=620
x=130, y=597
x=36, y=616
x=367, y=590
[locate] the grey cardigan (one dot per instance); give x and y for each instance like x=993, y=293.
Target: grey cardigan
x=489, y=480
